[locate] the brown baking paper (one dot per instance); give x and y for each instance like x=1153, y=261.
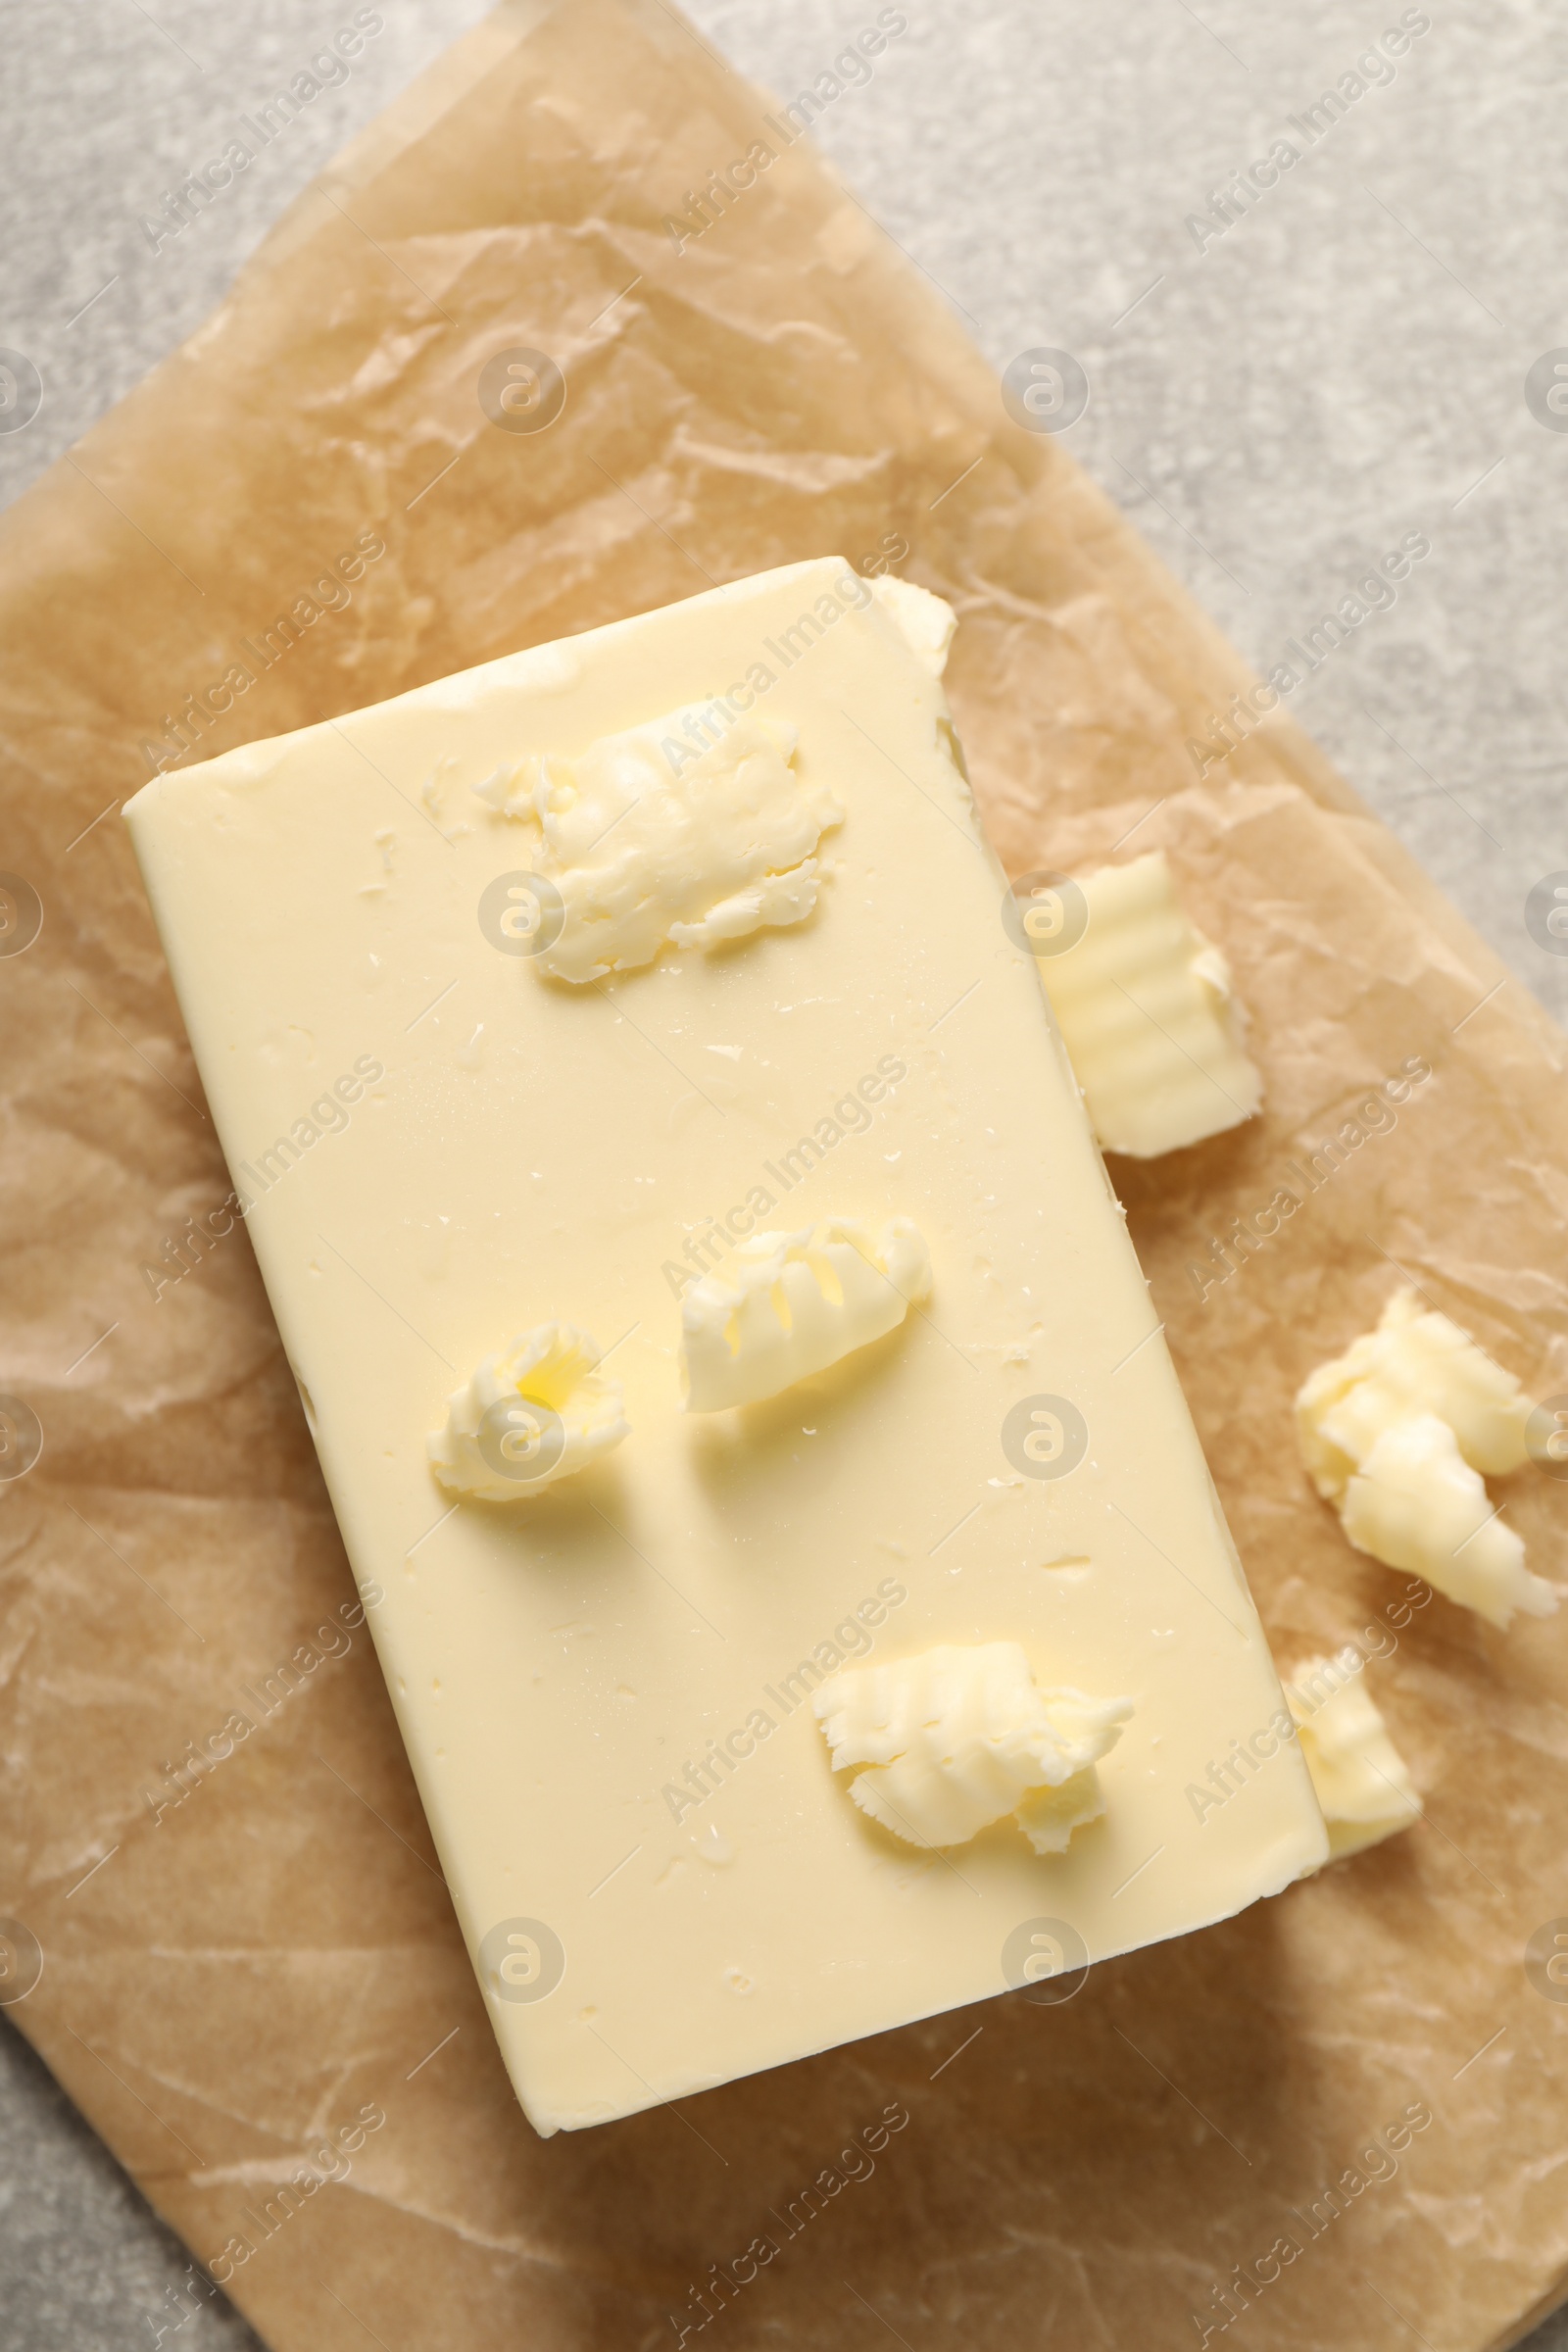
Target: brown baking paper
x=243, y=1967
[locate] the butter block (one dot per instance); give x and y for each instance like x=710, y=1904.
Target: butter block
x=1150, y=1019
x=1363, y=1782
x=606, y=1685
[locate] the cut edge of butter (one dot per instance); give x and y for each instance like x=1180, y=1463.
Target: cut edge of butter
x=926, y=622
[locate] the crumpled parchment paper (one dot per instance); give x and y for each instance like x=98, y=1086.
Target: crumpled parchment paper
x=251, y=1979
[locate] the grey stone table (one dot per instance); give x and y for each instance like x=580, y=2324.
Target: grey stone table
x=1287, y=375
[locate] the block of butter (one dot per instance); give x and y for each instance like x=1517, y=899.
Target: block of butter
x=701, y=1280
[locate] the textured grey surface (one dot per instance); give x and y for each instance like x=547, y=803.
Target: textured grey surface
x=83, y=2263
x=1344, y=364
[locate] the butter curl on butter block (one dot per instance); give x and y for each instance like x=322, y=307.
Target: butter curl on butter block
x=788, y=1304
x=650, y=838
x=958, y=1739
x=1151, y=1026
x=534, y=1412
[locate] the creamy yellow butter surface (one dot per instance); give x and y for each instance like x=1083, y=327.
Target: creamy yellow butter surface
x=605, y=1687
